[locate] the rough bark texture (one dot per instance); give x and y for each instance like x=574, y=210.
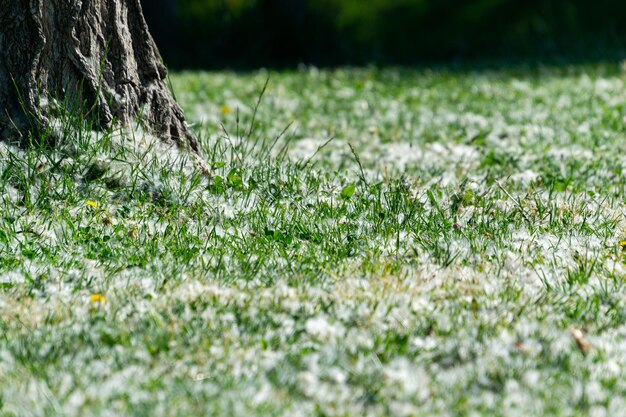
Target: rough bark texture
x=96, y=54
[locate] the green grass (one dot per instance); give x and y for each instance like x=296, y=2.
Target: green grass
x=376, y=242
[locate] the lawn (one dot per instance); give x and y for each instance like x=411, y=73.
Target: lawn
x=369, y=243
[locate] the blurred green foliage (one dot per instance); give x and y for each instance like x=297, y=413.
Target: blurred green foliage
x=240, y=33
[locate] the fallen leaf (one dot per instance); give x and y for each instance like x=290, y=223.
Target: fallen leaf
x=579, y=337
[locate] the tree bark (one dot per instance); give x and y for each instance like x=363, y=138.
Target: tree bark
x=94, y=56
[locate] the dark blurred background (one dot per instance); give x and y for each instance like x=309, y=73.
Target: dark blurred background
x=243, y=34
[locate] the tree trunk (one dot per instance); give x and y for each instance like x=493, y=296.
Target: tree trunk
x=96, y=56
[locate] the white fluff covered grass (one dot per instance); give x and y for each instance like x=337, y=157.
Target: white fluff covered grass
x=368, y=243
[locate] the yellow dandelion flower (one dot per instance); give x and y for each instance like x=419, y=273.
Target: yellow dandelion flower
x=97, y=299
x=225, y=110
x=622, y=244
x=92, y=204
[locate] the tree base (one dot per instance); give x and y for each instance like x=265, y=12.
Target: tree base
x=94, y=57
